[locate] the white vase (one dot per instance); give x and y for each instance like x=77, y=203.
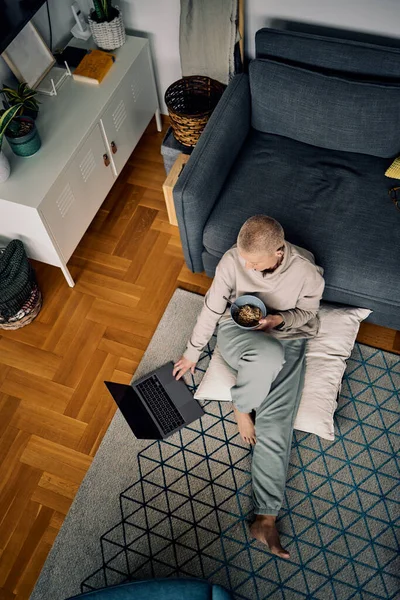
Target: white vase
x=4, y=167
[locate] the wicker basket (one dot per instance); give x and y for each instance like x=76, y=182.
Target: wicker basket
x=27, y=314
x=190, y=102
x=108, y=35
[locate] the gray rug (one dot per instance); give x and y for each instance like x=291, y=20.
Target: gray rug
x=181, y=507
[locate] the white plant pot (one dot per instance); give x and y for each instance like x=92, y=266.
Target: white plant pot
x=108, y=35
x=5, y=169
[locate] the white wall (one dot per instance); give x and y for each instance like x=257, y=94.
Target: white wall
x=157, y=20
x=369, y=16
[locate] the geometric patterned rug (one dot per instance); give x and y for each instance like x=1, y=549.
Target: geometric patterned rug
x=188, y=513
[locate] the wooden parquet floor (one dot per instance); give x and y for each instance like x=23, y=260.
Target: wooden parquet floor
x=54, y=407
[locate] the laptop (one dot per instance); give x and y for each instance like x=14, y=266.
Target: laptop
x=156, y=405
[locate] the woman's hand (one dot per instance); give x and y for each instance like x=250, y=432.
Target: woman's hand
x=269, y=322
x=183, y=366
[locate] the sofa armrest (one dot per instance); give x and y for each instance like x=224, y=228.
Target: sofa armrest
x=201, y=181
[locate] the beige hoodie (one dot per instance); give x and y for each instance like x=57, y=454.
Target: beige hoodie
x=293, y=290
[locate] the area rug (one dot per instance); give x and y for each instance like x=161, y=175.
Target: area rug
x=181, y=507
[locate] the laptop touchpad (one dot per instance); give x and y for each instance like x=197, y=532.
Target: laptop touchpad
x=178, y=393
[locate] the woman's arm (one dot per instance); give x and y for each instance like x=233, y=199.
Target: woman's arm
x=214, y=306
x=307, y=305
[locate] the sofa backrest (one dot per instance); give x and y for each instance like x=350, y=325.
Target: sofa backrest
x=330, y=54
x=325, y=110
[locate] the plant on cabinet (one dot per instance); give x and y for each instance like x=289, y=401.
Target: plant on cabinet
x=106, y=25
x=20, y=131
x=23, y=96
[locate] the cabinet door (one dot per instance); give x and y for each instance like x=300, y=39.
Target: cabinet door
x=142, y=87
x=119, y=128
x=130, y=110
x=78, y=193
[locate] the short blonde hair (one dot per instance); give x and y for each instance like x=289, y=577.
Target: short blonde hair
x=261, y=235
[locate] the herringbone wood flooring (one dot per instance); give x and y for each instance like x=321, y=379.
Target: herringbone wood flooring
x=54, y=408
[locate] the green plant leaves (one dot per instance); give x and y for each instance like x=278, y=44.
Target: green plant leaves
x=103, y=11
x=6, y=117
x=23, y=95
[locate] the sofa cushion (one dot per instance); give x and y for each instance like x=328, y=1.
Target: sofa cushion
x=326, y=53
x=335, y=204
x=323, y=110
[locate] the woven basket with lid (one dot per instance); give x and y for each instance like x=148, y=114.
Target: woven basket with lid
x=190, y=102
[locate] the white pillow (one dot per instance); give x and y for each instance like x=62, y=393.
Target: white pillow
x=326, y=356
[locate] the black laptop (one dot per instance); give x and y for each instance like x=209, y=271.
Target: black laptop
x=156, y=405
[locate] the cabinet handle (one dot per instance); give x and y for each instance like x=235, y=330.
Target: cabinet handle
x=106, y=160
x=114, y=148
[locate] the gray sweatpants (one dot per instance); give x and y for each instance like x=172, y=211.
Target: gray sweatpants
x=270, y=377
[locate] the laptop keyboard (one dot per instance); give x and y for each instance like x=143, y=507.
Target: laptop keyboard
x=161, y=405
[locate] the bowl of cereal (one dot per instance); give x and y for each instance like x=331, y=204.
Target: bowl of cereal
x=247, y=311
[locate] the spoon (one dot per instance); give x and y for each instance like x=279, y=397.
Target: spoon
x=231, y=303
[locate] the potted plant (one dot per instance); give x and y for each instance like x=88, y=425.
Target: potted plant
x=5, y=119
x=23, y=136
x=106, y=25
x=20, y=131
x=23, y=95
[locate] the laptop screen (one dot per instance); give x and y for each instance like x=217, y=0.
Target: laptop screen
x=134, y=411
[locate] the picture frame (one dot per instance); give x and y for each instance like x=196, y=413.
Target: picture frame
x=28, y=56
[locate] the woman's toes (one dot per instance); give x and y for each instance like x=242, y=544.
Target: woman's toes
x=245, y=426
x=249, y=440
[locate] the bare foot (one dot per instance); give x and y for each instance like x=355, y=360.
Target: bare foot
x=264, y=529
x=246, y=427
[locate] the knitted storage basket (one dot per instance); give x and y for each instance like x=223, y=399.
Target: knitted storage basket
x=110, y=34
x=17, y=280
x=27, y=314
x=190, y=102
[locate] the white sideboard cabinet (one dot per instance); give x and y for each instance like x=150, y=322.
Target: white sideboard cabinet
x=88, y=133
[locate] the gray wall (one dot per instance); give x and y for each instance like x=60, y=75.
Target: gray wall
x=4, y=71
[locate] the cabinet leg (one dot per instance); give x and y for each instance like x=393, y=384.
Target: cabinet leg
x=158, y=120
x=67, y=276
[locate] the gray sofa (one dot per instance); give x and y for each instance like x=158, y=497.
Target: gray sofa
x=305, y=137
